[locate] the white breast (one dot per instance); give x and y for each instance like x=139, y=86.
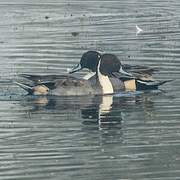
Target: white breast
x=105, y=82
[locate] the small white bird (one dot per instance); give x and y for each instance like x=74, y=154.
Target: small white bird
x=138, y=30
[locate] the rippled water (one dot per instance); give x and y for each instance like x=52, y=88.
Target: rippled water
x=126, y=136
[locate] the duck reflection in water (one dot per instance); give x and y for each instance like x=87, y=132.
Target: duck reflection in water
x=92, y=109
x=100, y=111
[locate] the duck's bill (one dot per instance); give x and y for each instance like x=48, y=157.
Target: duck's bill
x=124, y=72
x=121, y=76
x=75, y=69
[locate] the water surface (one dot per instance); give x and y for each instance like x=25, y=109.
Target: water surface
x=130, y=135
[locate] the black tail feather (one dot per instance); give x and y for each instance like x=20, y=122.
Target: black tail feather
x=36, y=79
x=163, y=82
x=150, y=85
x=28, y=76
x=26, y=87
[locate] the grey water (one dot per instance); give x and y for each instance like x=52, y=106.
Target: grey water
x=126, y=136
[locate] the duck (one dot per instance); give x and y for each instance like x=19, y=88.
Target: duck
x=89, y=60
x=63, y=86
x=132, y=77
x=68, y=85
x=108, y=76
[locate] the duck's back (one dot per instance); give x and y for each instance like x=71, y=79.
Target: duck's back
x=74, y=87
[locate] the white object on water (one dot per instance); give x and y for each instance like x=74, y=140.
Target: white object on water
x=138, y=30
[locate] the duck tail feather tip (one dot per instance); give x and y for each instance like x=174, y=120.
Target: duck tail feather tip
x=26, y=87
x=166, y=81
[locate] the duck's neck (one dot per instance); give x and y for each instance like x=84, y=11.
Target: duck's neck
x=104, y=81
x=89, y=75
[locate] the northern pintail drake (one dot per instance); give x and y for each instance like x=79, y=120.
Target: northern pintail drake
x=131, y=77
x=109, y=77
x=65, y=85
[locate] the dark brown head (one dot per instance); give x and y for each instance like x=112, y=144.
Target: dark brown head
x=109, y=64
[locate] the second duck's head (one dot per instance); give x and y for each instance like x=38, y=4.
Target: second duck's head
x=108, y=63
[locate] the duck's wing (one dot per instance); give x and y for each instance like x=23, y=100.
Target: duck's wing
x=43, y=88
x=63, y=81
x=140, y=82
x=68, y=82
x=44, y=79
x=143, y=76
x=139, y=69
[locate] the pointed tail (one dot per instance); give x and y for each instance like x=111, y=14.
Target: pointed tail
x=26, y=87
x=163, y=82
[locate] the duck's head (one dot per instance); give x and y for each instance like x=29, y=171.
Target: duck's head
x=108, y=63
x=89, y=60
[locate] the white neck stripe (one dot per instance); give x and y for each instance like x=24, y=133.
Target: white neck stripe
x=104, y=81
